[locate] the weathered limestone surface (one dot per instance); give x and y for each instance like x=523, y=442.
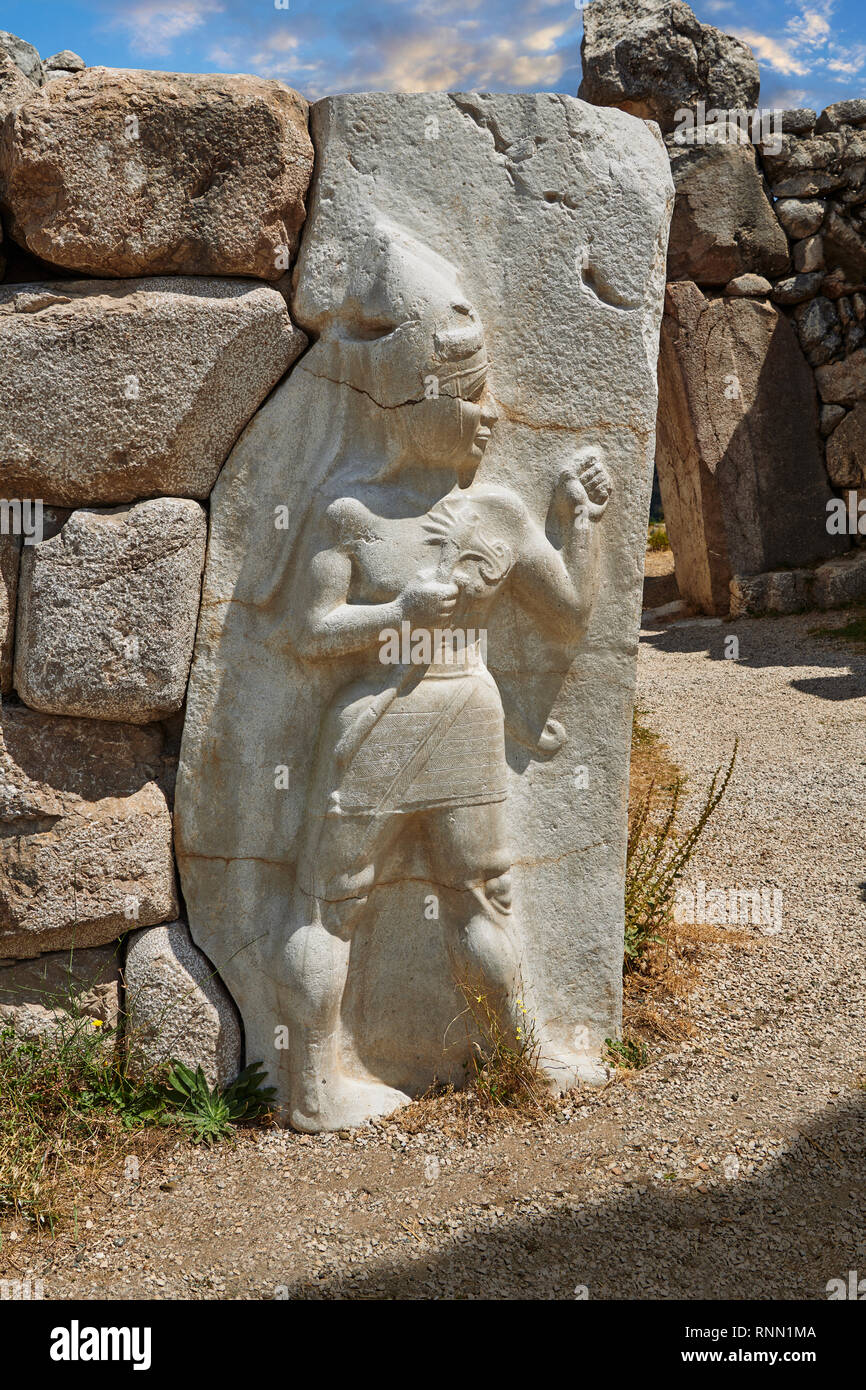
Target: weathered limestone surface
x=177, y=1007
x=832, y=584
x=843, y=383
x=107, y=611
x=484, y=277
x=800, y=218
x=62, y=992
x=152, y=380
x=739, y=461
x=10, y=551
x=846, y=450
x=723, y=224
x=14, y=89
x=85, y=849
x=62, y=64
x=126, y=173
x=23, y=55
x=654, y=57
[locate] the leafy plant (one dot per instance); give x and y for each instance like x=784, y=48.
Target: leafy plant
x=656, y=858
x=630, y=1054
x=212, y=1114
x=657, y=537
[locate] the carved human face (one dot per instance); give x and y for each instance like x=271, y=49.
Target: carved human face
x=449, y=432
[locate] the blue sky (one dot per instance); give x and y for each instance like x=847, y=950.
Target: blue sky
x=811, y=52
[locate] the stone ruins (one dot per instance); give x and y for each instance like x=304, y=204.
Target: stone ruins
x=318, y=618
x=762, y=368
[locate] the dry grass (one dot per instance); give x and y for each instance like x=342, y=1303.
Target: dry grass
x=657, y=988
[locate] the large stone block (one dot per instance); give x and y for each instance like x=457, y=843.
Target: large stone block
x=107, y=610
x=846, y=450
x=360, y=831
x=654, y=58
x=738, y=456
x=177, y=1007
x=10, y=551
x=117, y=172
x=813, y=167
x=65, y=992
x=23, y=55
x=115, y=391
x=85, y=832
x=723, y=224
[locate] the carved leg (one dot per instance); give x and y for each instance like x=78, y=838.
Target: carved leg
x=331, y=894
x=469, y=852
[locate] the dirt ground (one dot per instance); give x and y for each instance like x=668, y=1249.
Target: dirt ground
x=730, y=1167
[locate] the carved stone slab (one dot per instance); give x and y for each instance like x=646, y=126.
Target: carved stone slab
x=369, y=814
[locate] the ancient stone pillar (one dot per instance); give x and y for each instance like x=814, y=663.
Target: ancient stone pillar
x=405, y=759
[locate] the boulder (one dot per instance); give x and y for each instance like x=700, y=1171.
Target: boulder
x=780, y=591
x=809, y=254
x=738, y=452
x=812, y=167
x=723, y=224
x=842, y=113
x=23, y=55
x=14, y=89
x=830, y=416
x=654, y=58
x=845, y=247
x=85, y=831
x=846, y=450
x=796, y=120
x=748, y=287
x=801, y=217
x=62, y=64
x=843, y=383
x=10, y=552
x=67, y=993
x=107, y=611
x=123, y=173
x=153, y=380
x=796, y=289
x=177, y=1007
x=818, y=329
x=842, y=581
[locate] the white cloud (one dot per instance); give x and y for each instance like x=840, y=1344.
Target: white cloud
x=853, y=62
x=811, y=27
x=544, y=39
x=154, y=25
x=778, y=54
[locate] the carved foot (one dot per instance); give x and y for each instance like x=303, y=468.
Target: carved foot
x=345, y=1104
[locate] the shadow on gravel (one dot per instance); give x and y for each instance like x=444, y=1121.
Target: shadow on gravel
x=783, y=1235
x=764, y=643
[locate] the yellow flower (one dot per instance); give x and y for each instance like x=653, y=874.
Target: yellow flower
x=96, y=1023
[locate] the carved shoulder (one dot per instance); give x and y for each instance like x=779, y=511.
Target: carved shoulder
x=507, y=506
x=347, y=521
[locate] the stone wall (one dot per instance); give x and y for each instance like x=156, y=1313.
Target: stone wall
x=182, y=488
x=142, y=324
x=762, y=371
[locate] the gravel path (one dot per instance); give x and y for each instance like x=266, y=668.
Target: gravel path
x=731, y=1167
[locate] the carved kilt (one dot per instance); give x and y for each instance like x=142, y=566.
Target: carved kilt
x=438, y=742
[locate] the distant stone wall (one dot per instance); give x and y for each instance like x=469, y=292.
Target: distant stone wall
x=762, y=371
